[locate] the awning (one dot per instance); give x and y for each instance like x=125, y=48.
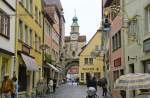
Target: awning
x=30, y=63
x=52, y=66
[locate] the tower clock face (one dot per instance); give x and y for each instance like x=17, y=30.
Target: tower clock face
x=74, y=36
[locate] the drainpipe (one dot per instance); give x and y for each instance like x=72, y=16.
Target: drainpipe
x=124, y=40
x=43, y=54
x=124, y=36
x=15, y=48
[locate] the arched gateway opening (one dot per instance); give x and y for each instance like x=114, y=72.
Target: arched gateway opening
x=72, y=70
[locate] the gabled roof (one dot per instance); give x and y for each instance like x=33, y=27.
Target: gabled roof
x=89, y=42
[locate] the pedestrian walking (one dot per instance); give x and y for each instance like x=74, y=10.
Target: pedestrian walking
x=104, y=90
x=103, y=84
x=54, y=84
x=93, y=83
x=77, y=80
x=88, y=80
x=123, y=93
x=15, y=88
x=40, y=87
x=51, y=85
x=7, y=87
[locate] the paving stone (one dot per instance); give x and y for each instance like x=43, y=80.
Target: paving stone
x=72, y=91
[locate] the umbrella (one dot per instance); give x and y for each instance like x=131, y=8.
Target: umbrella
x=133, y=81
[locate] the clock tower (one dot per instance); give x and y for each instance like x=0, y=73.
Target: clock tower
x=74, y=29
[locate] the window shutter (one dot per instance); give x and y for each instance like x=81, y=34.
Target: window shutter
x=8, y=26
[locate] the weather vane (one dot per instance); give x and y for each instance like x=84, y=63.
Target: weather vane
x=75, y=11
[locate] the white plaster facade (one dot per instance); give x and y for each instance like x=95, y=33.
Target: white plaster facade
x=134, y=55
x=9, y=44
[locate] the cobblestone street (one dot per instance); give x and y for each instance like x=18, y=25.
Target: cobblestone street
x=72, y=91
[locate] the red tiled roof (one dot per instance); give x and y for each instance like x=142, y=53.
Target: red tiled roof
x=82, y=39
x=67, y=39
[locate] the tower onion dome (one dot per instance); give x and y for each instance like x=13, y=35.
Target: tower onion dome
x=75, y=21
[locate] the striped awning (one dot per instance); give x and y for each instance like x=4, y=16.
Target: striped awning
x=133, y=81
x=53, y=67
x=30, y=63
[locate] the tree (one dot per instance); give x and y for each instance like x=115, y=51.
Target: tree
x=48, y=58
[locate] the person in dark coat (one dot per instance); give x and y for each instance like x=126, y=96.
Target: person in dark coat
x=123, y=93
x=88, y=79
x=104, y=86
x=93, y=83
x=54, y=84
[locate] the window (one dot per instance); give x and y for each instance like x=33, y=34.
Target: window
x=56, y=18
x=4, y=67
x=146, y=67
x=4, y=24
x=73, y=54
x=119, y=39
x=20, y=33
x=36, y=42
x=148, y=18
x=36, y=14
x=39, y=43
x=82, y=76
x=116, y=74
x=132, y=68
x=47, y=28
x=121, y=72
x=97, y=48
x=40, y=22
x=31, y=7
x=30, y=37
x=55, y=38
x=90, y=60
x=133, y=28
x=113, y=42
x=26, y=35
x=115, y=47
x=27, y=5
x=116, y=41
x=85, y=60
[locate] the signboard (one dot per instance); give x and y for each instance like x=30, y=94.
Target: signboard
x=90, y=69
x=117, y=62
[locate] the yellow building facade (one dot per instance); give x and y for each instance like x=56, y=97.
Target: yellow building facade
x=29, y=37
x=90, y=61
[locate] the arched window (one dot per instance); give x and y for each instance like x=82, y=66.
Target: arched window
x=73, y=53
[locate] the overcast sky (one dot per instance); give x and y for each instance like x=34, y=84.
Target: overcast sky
x=88, y=13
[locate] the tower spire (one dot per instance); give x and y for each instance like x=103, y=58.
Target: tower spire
x=75, y=12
